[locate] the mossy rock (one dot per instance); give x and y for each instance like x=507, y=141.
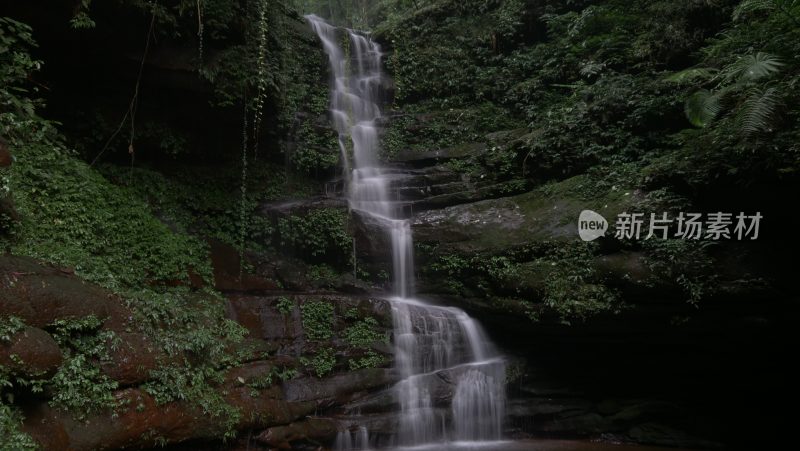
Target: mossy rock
x=549, y=213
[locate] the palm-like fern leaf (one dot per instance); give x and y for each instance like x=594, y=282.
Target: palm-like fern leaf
x=758, y=111
x=702, y=107
x=752, y=67
x=748, y=6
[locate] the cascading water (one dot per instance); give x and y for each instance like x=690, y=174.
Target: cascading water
x=451, y=392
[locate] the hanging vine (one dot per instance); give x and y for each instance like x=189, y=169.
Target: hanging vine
x=261, y=68
x=243, y=188
x=130, y=113
x=200, y=31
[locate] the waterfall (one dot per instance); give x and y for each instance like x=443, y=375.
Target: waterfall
x=452, y=387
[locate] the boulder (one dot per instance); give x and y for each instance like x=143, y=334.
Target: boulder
x=132, y=357
x=30, y=352
x=40, y=295
x=494, y=225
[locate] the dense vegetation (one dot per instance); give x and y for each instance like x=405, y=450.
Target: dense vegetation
x=675, y=102
x=211, y=118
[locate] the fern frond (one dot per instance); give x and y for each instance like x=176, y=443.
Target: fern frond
x=752, y=67
x=693, y=73
x=749, y=6
x=702, y=107
x=758, y=112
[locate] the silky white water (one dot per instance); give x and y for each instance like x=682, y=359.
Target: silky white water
x=451, y=388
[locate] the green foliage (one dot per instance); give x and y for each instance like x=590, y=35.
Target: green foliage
x=317, y=153
x=425, y=127
x=317, y=148
x=555, y=279
x=685, y=263
x=742, y=85
x=317, y=320
x=322, y=362
x=203, y=200
x=79, y=386
x=702, y=107
x=18, y=98
x=750, y=68
x=13, y=438
x=266, y=379
x=352, y=14
x=10, y=325
x=319, y=234
x=599, y=88
x=323, y=275
x=71, y=215
x=284, y=305
x=788, y=8
x=369, y=360
x=364, y=333
x=758, y=111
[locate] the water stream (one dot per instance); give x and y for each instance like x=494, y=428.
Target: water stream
x=451, y=391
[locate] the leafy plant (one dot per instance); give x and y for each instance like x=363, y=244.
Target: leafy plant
x=319, y=233
x=317, y=319
x=758, y=111
x=284, y=305
x=757, y=106
x=322, y=362
x=81, y=388
x=10, y=325
x=702, y=107
x=13, y=437
x=786, y=7
x=364, y=333
x=370, y=360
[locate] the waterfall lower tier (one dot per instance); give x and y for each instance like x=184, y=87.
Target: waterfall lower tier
x=442, y=355
x=452, y=387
